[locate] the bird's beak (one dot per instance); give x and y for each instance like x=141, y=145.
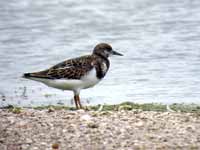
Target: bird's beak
x=116, y=53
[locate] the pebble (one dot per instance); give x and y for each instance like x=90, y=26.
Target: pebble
x=86, y=117
x=112, y=130
x=92, y=125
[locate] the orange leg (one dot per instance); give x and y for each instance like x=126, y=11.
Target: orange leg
x=79, y=102
x=76, y=101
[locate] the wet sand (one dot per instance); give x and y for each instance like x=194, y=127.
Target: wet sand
x=49, y=129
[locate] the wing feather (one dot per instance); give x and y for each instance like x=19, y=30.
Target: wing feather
x=69, y=69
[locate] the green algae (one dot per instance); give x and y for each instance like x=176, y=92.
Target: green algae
x=127, y=106
x=15, y=110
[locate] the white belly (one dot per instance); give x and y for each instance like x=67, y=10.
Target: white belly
x=86, y=81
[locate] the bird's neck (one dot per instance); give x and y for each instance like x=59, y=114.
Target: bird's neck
x=102, y=65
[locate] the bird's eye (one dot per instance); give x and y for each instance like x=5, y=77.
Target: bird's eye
x=109, y=50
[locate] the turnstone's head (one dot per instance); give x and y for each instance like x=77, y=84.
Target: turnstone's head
x=105, y=50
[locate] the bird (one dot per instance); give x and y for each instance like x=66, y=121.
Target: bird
x=77, y=73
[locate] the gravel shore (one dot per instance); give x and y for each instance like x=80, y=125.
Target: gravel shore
x=98, y=130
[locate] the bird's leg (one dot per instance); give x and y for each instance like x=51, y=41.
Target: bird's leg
x=76, y=101
x=79, y=102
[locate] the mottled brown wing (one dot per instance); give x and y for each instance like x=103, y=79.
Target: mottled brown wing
x=69, y=69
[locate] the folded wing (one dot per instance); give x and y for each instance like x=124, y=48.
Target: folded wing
x=70, y=69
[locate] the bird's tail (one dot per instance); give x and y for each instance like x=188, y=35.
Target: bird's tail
x=35, y=77
x=41, y=74
x=31, y=75
x=26, y=75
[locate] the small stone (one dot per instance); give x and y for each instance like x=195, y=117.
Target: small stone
x=28, y=140
x=190, y=128
x=92, y=125
x=125, y=107
x=55, y=146
x=64, y=130
x=81, y=111
x=35, y=148
x=139, y=124
x=86, y=118
x=102, y=113
x=51, y=109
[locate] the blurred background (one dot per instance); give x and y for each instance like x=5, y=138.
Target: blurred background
x=160, y=40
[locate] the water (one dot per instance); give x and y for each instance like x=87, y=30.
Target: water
x=160, y=41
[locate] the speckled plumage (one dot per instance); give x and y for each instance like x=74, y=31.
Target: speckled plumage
x=75, y=68
x=77, y=73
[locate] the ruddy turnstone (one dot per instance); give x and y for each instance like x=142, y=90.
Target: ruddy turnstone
x=77, y=73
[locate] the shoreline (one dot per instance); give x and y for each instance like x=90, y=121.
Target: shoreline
x=176, y=107
x=120, y=127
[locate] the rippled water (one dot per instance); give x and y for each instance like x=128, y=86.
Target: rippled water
x=160, y=40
